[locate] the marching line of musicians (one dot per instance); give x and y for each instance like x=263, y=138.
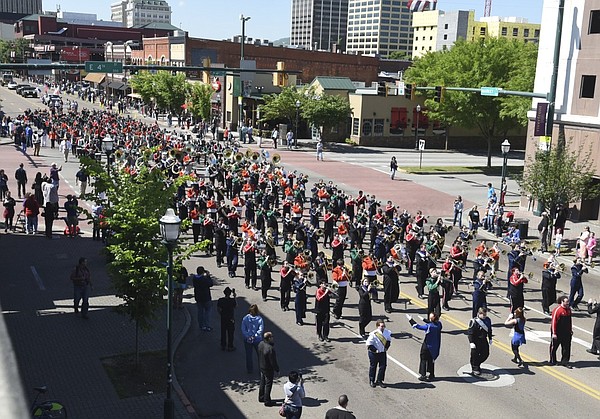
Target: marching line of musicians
x=271, y=207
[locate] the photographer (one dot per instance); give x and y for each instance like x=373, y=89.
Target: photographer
x=294, y=392
x=226, y=308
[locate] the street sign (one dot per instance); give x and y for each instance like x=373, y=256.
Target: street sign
x=489, y=91
x=103, y=67
x=421, y=145
x=400, y=88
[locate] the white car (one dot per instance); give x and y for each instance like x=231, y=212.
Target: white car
x=12, y=85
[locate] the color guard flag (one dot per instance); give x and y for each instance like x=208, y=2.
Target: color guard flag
x=420, y=5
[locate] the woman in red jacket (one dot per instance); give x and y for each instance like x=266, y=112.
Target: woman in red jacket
x=32, y=210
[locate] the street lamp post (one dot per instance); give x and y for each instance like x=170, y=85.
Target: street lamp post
x=170, y=230
x=243, y=19
x=505, y=147
x=297, y=123
x=417, y=127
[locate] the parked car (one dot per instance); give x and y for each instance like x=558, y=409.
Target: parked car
x=12, y=85
x=29, y=92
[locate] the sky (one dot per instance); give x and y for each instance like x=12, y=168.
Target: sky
x=270, y=19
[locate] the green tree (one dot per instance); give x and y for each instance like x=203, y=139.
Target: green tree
x=281, y=106
x=495, y=62
x=143, y=84
x=398, y=55
x=135, y=253
x=559, y=177
x=325, y=111
x=198, y=102
x=168, y=91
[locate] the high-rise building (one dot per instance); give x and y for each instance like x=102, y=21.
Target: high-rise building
x=319, y=24
x=379, y=27
x=135, y=13
x=437, y=30
x=25, y=7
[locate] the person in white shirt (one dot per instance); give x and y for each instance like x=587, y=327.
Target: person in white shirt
x=378, y=343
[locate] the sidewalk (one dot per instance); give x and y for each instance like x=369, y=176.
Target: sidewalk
x=52, y=345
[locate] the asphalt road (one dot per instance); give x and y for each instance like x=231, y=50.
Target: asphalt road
x=216, y=382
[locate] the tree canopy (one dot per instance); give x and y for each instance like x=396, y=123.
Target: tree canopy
x=489, y=62
x=559, y=177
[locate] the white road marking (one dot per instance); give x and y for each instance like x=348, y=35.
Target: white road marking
x=37, y=278
x=504, y=378
x=543, y=336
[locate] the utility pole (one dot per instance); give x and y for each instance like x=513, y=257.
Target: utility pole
x=554, y=79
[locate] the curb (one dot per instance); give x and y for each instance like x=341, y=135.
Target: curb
x=176, y=386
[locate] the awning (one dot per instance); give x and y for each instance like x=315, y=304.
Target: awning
x=117, y=85
x=95, y=77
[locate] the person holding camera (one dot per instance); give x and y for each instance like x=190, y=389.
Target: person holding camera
x=226, y=308
x=577, y=271
x=594, y=308
x=294, y=392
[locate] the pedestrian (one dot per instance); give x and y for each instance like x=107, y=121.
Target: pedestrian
x=294, y=393
x=365, y=310
x=458, y=211
x=21, y=177
x=322, y=307
x=430, y=348
x=341, y=410
x=226, y=307
x=71, y=208
x=594, y=308
x=474, y=219
x=65, y=148
x=202, y=283
x=577, y=271
x=267, y=362
x=543, y=228
x=480, y=339
x=517, y=320
x=591, y=246
x=393, y=167
x=32, y=210
x=561, y=331
x=37, y=143
x=290, y=139
x=9, y=205
x=319, y=150
x=82, y=285
x=582, y=243
x=180, y=284
x=558, y=236
x=81, y=179
x=252, y=330
x=274, y=137
x=3, y=184
x=378, y=343
x=549, y=277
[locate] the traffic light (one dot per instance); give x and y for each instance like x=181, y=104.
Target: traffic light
x=439, y=94
x=408, y=91
x=381, y=89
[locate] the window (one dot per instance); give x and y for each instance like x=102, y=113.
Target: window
x=594, y=21
x=536, y=34
x=446, y=26
x=378, y=131
x=355, y=126
x=588, y=86
x=504, y=31
x=482, y=31
x=367, y=127
x=445, y=37
x=515, y=31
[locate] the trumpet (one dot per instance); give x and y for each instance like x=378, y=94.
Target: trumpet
x=319, y=232
x=334, y=287
x=238, y=241
x=530, y=275
x=377, y=284
x=307, y=252
x=271, y=262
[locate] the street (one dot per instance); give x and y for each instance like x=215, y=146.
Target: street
x=216, y=382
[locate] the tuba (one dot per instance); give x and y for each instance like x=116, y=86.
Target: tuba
x=227, y=153
x=276, y=159
x=255, y=157
x=239, y=157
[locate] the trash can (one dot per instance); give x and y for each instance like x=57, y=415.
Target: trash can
x=220, y=135
x=523, y=226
